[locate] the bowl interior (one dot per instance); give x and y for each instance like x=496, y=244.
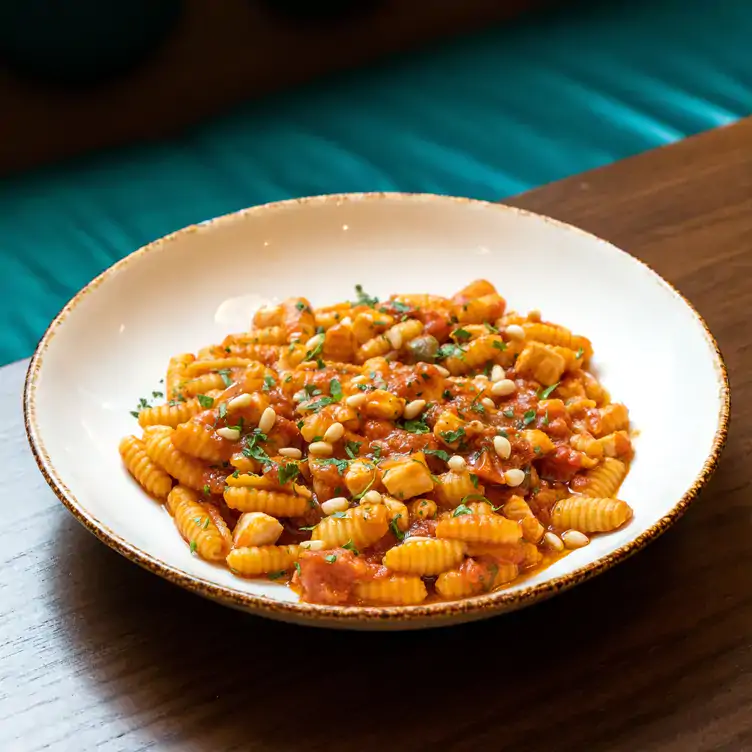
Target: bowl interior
x=112, y=344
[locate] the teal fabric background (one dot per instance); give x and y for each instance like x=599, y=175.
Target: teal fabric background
x=486, y=116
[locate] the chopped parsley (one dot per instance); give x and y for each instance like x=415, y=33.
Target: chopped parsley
x=461, y=509
x=377, y=454
x=450, y=351
x=474, y=480
x=537, y=450
x=204, y=401
x=352, y=448
x=287, y=472
x=364, y=298
x=222, y=410
x=491, y=328
x=297, y=567
x=417, y=425
x=341, y=465
x=301, y=306
x=544, y=421
x=276, y=575
x=313, y=354
x=461, y=335
x=399, y=306
x=253, y=450
x=508, y=413
x=269, y=383
x=207, y=490
x=309, y=527
x=176, y=401
x=311, y=390
x=350, y=546
x=330, y=559
x=580, y=353
x=225, y=374
x=398, y=534
x=335, y=389
x=546, y=393
x=528, y=417
x=440, y=453
x=451, y=436
x=314, y=407
x=193, y=546
x=499, y=345
x=157, y=395
x=446, y=394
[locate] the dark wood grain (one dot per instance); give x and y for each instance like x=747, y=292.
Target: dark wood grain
x=654, y=655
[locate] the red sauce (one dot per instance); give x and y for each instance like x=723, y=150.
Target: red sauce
x=329, y=577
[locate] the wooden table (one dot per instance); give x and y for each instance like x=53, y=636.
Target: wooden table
x=654, y=655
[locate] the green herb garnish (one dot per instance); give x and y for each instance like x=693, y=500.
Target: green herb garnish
x=440, y=453
x=546, y=393
x=335, y=389
x=461, y=335
x=204, y=401
x=451, y=436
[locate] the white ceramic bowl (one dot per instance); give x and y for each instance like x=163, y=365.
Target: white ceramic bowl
x=111, y=343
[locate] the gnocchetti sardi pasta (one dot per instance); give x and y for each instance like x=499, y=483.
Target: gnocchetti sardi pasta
x=387, y=452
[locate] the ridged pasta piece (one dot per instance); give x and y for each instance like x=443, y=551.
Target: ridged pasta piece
x=252, y=561
x=594, y=390
x=476, y=289
x=406, y=477
x=454, y=486
x=551, y=334
x=480, y=507
x=478, y=310
x=203, y=384
x=383, y=405
x=617, y=444
x=176, y=374
x=172, y=414
x=479, y=528
x=585, y=442
x=268, y=335
x=150, y=476
x=374, y=347
x=361, y=475
x=572, y=359
x=328, y=316
x=200, y=367
x=266, y=316
x=395, y=590
x=532, y=530
x=446, y=428
x=238, y=346
x=425, y=557
x=603, y=480
x=256, y=529
x=398, y=514
x=462, y=583
x=188, y=471
x=590, y=515
x=197, y=524
x=339, y=343
x=517, y=508
x=298, y=319
x=475, y=354
x=614, y=417
x=540, y=442
x=421, y=509
x=540, y=362
x=369, y=324
x=198, y=440
x=362, y=526
x=271, y=502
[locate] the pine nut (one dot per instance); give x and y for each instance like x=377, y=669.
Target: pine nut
x=337, y=504
x=575, y=539
x=372, y=497
x=231, y=434
x=515, y=331
x=363, y=379
x=488, y=402
x=497, y=373
x=356, y=400
x=395, y=338
x=320, y=449
x=314, y=342
x=514, y=476
x=334, y=433
x=502, y=447
x=457, y=463
x=443, y=371
x=312, y=545
x=239, y=402
x=291, y=452
x=503, y=388
x=267, y=421
x=553, y=541
x=414, y=409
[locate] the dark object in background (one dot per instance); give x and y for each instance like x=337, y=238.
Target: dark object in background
x=319, y=10
x=81, y=42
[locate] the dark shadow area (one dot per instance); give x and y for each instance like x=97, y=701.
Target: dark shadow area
x=191, y=672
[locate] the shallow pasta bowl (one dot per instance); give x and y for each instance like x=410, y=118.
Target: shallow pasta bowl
x=109, y=346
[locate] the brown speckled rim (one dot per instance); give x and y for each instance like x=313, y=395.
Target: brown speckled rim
x=395, y=617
